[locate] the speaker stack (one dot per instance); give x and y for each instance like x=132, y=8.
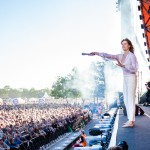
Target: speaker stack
x=103, y=129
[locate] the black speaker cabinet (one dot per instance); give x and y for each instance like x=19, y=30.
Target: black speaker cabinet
x=95, y=131
x=137, y=109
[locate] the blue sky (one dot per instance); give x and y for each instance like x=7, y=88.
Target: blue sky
x=40, y=40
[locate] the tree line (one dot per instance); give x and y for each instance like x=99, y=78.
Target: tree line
x=65, y=86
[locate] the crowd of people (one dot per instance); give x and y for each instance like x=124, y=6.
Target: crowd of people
x=23, y=123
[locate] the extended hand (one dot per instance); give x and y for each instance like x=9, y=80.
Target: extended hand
x=92, y=54
x=120, y=64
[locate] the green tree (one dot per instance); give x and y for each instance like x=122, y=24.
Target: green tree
x=64, y=87
x=59, y=88
x=13, y=93
x=3, y=93
x=97, y=73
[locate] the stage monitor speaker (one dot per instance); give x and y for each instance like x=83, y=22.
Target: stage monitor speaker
x=143, y=99
x=95, y=131
x=137, y=109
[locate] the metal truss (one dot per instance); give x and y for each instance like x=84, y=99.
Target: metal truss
x=145, y=17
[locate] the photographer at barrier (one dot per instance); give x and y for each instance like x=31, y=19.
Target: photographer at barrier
x=122, y=145
x=147, y=94
x=82, y=140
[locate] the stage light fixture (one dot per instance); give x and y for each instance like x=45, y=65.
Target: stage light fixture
x=141, y=17
x=143, y=35
x=142, y=26
x=146, y=51
x=148, y=10
x=139, y=8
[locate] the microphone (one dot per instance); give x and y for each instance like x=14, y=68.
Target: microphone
x=89, y=54
x=85, y=54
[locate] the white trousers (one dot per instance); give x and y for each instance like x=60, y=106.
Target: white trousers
x=129, y=93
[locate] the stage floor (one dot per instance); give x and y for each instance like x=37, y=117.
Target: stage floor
x=138, y=138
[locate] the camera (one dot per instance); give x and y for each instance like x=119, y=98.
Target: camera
x=147, y=84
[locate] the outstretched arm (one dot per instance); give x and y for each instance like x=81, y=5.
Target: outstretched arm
x=104, y=55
